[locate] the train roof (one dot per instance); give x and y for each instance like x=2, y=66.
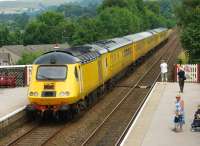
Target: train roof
x=97, y=48
x=152, y=31
x=158, y=30
x=89, y=52
x=82, y=54
x=112, y=44
x=122, y=41
x=138, y=36
x=56, y=57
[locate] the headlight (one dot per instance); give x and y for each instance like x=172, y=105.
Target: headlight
x=64, y=93
x=33, y=94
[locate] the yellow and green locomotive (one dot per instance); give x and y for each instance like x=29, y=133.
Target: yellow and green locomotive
x=67, y=81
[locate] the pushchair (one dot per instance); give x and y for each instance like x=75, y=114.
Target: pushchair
x=195, y=126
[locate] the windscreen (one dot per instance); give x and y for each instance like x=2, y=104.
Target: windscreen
x=52, y=73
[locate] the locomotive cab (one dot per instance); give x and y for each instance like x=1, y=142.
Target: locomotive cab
x=54, y=83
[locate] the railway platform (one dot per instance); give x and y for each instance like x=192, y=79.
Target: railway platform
x=153, y=125
x=11, y=100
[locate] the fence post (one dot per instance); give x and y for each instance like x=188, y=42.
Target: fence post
x=198, y=73
x=25, y=76
x=175, y=73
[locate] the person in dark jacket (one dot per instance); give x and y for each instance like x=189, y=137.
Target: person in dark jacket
x=182, y=78
x=196, y=122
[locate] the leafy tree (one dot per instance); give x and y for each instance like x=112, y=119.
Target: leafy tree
x=153, y=20
x=49, y=27
x=188, y=13
x=112, y=3
x=115, y=22
x=190, y=39
x=51, y=18
x=74, y=10
x=120, y=17
x=21, y=20
x=153, y=6
x=79, y=23
x=111, y=22
x=86, y=31
x=31, y=33
x=15, y=37
x=67, y=29
x=28, y=57
x=4, y=34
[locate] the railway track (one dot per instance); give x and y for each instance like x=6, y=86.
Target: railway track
x=105, y=131
x=108, y=132
x=39, y=134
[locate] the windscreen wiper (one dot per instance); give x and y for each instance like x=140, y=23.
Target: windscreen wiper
x=45, y=77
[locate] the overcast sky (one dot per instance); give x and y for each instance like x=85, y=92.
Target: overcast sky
x=7, y=0
x=36, y=0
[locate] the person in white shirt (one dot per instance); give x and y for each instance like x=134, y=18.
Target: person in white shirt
x=163, y=67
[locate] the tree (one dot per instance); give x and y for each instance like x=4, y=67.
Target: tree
x=188, y=13
x=75, y=10
x=153, y=6
x=110, y=22
x=190, y=39
x=4, y=34
x=115, y=22
x=115, y=3
x=28, y=57
x=49, y=27
x=51, y=18
x=21, y=20
x=86, y=31
x=15, y=37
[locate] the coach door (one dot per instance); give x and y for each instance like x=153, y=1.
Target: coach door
x=100, y=71
x=80, y=80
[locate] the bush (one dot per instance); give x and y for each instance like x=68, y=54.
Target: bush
x=28, y=57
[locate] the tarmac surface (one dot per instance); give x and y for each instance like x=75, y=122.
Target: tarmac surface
x=154, y=124
x=11, y=99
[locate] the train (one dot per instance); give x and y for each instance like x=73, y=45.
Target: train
x=66, y=81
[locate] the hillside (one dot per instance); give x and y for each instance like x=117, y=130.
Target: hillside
x=20, y=6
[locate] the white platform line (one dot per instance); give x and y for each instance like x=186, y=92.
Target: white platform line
x=12, y=114
x=138, y=115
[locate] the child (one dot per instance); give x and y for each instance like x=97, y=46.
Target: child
x=179, y=114
x=176, y=121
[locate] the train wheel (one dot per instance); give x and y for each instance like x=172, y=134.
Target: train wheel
x=89, y=101
x=47, y=115
x=31, y=115
x=100, y=92
x=82, y=105
x=56, y=116
x=69, y=115
x=64, y=115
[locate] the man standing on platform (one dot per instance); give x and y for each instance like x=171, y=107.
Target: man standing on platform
x=163, y=67
x=181, y=78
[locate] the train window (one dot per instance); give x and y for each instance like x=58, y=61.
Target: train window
x=76, y=73
x=127, y=52
x=46, y=72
